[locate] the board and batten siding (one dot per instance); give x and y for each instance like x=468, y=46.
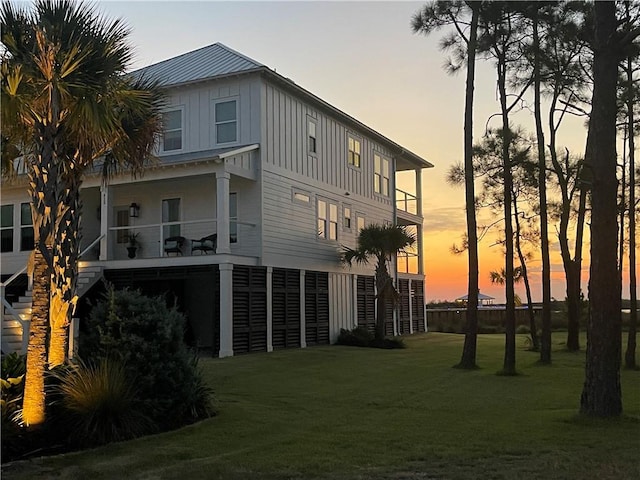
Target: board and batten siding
x=284, y=143
x=197, y=102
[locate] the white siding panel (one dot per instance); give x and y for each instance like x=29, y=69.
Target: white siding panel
x=341, y=309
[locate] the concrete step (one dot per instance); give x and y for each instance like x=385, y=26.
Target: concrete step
x=90, y=270
x=21, y=305
x=10, y=323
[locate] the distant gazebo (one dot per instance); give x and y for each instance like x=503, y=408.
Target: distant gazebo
x=483, y=300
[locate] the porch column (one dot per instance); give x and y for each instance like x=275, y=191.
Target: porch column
x=419, y=191
x=419, y=243
x=354, y=299
x=105, y=209
x=222, y=211
x=269, y=309
x=226, y=310
x=410, y=308
x=303, y=318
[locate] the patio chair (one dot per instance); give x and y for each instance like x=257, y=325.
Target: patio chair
x=205, y=244
x=173, y=245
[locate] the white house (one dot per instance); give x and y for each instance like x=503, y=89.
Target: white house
x=257, y=185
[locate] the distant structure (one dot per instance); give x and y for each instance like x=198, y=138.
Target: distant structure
x=483, y=300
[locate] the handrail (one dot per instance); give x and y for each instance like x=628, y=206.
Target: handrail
x=91, y=245
x=25, y=324
x=14, y=313
x=14, y=276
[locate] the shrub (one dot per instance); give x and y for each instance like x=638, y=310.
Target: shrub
x=361, y=337
x=147, y=337
x=523, y=329
x=98, y=403
x=358, y=337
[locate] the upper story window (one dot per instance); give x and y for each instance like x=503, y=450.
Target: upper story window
x=327, y=220
x=354, y=151
x=26, y=227
x=381, y=175
x=172, y=130
x=312, y=138
x=346, y=217
x=226, y=121
x=360, y=224
x=6, y=228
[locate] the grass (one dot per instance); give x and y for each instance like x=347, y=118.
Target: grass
x=346, y=412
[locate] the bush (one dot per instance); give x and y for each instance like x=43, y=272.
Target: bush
x=358, y=337
x=147, y=337
x=98, y=403
x=523, y=329
x=361, y=337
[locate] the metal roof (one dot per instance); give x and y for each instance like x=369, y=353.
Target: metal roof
x=218, y=60
x=206, y=62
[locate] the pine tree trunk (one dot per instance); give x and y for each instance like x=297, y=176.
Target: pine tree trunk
x=468, y=359
x=574, y=278
x=630, y=354
x=545, y=349
x=601, y=395
x=33, y=407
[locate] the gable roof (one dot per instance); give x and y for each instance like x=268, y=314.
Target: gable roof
x=201, y=64
x=218, y=60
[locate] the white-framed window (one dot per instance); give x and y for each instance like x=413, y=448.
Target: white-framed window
x=6, y=228
x=300, y=196
x=226, y=121
x=27, y=239
x=171, y=215
x=354, y=151
x=346, y=217
x=172, y=134
x=381, y=174
x=360, y=223
x=327, y=220
x=122, y=220
x=312, y=139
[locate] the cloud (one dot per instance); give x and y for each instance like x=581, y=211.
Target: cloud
x=445, y=219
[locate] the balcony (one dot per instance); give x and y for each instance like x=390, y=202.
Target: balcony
x=406, y=202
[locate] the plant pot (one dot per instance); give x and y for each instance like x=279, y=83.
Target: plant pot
x=132, y=251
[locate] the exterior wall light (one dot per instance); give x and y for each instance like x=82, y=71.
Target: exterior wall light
x=134, y=210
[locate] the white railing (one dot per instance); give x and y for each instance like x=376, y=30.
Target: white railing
x=407, y=262
x=149, y=238
x=406, y=202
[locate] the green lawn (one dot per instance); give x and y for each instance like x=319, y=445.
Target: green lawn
x=344, y=412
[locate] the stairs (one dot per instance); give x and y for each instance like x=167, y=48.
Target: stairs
x=12, y=329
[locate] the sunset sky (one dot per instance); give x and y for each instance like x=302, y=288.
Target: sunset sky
x=363, y=58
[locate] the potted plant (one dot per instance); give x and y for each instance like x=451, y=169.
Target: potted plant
x=133, y=244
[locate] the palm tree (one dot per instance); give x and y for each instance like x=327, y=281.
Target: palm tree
x=381, y=242
x=66, y=99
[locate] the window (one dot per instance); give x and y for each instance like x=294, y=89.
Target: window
x=353, y=155
x=346, y=217
x=381, y=175
x=170, y=214
x=226, y=121
x=172, y=134
x=6, y=228
x=300, y=196
x=26, y=228
x=233, y=217
x=122, y=220
x=327, y=220
x=359, y=223
x=312, y=140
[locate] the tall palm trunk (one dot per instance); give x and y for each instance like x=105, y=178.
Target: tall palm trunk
x=630, y=354
x=601, y=394
x=468, y=359
x=545, y=340
x=383, y=295
x=33, y=406
x=63, y=286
